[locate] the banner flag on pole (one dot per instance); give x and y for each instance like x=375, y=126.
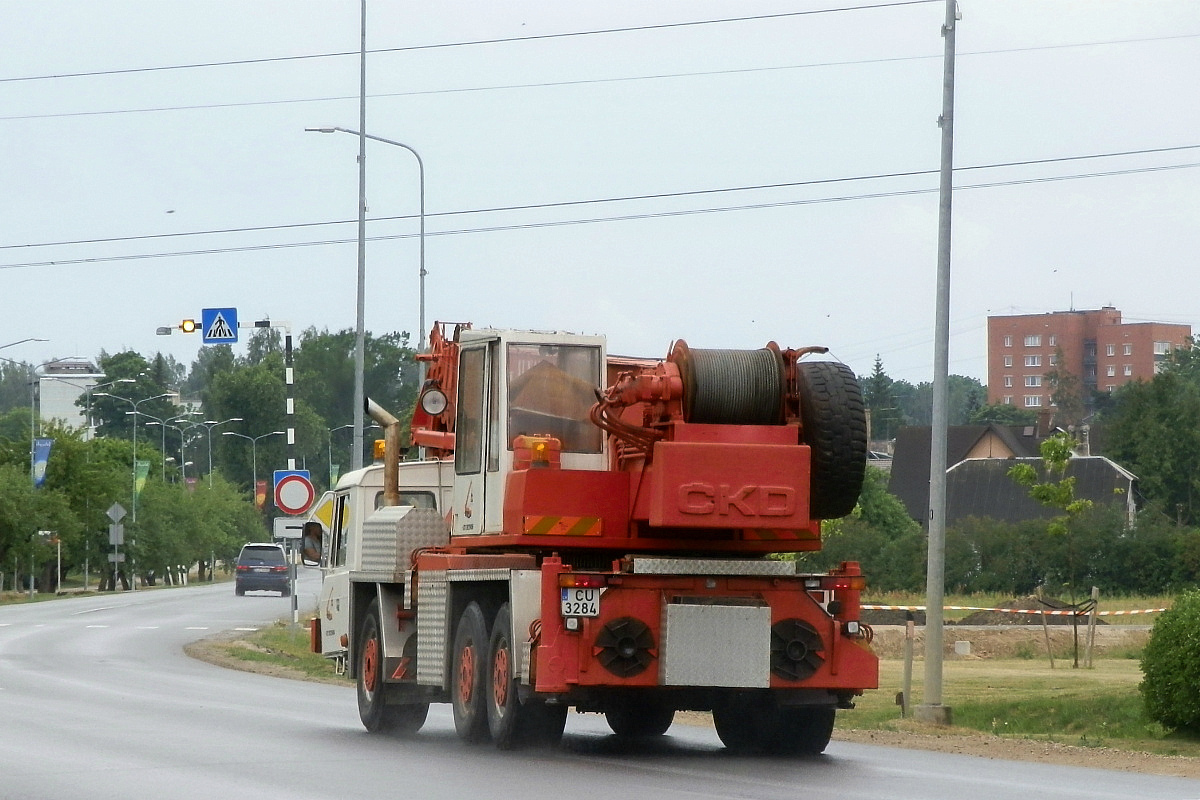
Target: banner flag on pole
x=41, y=458
x=143, y=469
x=261, y=493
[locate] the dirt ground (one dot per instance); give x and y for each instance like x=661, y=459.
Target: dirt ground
x=889, y=643
x=1019, y=641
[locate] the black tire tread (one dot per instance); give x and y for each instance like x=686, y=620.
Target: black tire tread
x=835, y=428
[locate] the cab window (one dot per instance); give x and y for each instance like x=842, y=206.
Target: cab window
x=551, y=390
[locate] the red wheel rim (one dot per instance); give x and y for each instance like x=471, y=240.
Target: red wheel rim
x=370, y=657
x=466, y=674
x=500, y=677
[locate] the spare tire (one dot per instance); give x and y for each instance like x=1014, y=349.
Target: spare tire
x=835, y=428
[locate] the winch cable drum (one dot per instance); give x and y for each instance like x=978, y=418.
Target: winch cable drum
x=730, y=387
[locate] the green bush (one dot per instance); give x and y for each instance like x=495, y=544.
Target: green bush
x=1171, y=666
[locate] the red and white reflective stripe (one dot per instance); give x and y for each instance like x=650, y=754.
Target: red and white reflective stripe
x=1017, y=610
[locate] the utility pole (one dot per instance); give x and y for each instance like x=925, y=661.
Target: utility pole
x=932, y=710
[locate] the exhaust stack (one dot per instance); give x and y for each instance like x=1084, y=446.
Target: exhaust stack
x=391, y=450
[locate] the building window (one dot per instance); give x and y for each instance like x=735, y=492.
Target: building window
x=1008, y=399
x=1128, y=370
x=1008, y=361
x=1033, y=341
x=1112, y=370
x=1033, y=380
x=1033, y=400
x=1053, y=359
x=1007, y=381
x=1127, y=349
x=1110, y=349
x=1033, y=361
x=1053, y=340
x=1008, y=341
x=1162, y=348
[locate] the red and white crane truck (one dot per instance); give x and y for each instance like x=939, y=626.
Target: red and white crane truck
x=613, y=550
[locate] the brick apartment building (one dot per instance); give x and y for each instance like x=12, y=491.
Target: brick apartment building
x=1095, y=346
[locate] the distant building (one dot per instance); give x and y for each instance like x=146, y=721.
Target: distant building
x=978, y=459
x=1096, y=347
x=59, y=385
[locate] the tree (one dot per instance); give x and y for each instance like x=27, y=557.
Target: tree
x=877, y=396
x=148, y=381
x=1066, y=393
x=325, y=374
x=880, y=535
x=1055, y=489
x=16, y=380
x=1003, y=414
x=1152, y=431
x=964, y=396
x=1170, y=685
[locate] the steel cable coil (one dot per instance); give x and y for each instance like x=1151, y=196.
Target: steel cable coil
x=731, y=387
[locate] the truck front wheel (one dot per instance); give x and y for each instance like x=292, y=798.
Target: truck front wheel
x=376, y=715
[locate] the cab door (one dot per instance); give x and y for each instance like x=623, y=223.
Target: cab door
x=475, y=427
x=333, y=605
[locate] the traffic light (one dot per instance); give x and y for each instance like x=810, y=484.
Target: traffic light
x=188, y=326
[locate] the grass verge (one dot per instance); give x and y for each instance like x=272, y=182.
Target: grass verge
x=1021, y=698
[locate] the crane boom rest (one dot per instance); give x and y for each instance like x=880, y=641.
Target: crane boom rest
x=613, y=550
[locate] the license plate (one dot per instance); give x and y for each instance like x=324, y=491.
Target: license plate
x=581, y=602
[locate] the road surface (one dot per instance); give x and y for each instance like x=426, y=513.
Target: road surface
x=98, y=701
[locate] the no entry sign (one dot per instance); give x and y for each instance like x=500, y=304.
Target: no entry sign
x=294, y=491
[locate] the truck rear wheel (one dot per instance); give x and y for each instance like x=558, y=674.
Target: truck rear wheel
x=760, y=725
x=835, y=428
x=467, y=689
x=376, y=715
x=511, y=722
x=640, y=720
x=802, y=730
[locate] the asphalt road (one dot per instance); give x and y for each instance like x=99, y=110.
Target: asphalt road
x=97, y=701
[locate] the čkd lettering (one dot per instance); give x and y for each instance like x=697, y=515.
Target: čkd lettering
x=747, y=501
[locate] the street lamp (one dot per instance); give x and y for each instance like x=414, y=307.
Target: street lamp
x=253, y=457
x=329, y=449
x=183, y=440
x=210, y=424
x=162, y=424
x=329, y=446
x=135, y=413
x=359, y=343
x=21, y=341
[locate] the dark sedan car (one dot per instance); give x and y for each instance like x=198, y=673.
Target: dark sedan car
x=261, y=567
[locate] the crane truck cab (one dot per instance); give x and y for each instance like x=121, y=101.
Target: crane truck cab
x=333, y=537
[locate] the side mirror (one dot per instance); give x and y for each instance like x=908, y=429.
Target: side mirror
x=311, y=545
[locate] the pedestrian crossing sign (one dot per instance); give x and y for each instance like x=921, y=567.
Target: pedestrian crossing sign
x=219, y=325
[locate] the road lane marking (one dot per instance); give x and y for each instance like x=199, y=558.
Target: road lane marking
x=93, y=610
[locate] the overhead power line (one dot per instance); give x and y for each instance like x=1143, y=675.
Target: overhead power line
x=475, y=42
x=588, y=221
x=550, y=84
x=625, y=198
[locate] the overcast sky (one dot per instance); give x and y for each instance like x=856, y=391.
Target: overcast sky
x=664, y=170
